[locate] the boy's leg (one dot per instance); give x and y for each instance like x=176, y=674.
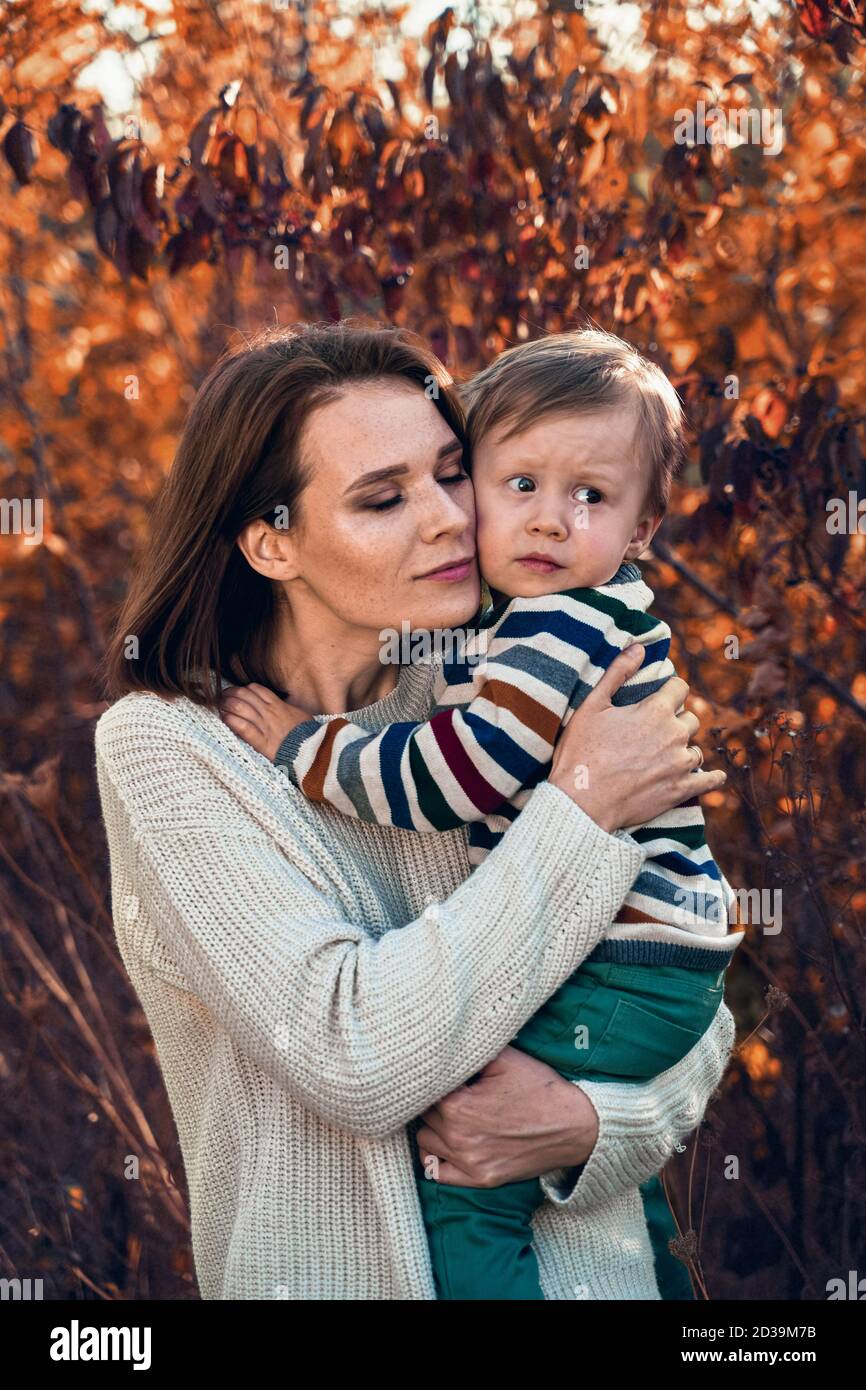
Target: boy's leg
x=592, y=1016
x=480, y=1238
x=625, y=1023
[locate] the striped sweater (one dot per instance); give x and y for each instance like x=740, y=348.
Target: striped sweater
x=500, y=703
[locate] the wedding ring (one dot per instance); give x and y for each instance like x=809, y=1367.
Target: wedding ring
x=700, y=753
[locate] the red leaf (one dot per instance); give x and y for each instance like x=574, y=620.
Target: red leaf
x=815, y=17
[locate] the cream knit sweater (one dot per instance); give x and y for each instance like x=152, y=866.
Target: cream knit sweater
x=299, y=1031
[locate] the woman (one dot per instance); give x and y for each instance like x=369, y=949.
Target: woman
x=318, y=488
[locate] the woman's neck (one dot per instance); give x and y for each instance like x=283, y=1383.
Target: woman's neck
x=326, y=667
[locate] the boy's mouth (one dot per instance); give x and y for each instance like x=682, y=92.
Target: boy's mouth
x=542, y=564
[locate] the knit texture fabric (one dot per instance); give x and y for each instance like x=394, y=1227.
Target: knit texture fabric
x=299, y=1033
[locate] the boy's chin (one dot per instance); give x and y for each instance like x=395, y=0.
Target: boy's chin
x=530, y=584
x=537, y=587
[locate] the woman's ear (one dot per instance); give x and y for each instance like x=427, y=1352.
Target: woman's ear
x=269, y=550
x=642, y=535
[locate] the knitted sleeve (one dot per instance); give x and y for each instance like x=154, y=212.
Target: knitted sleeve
x=365, y=1032
x=464, y=762
x=638, y=1125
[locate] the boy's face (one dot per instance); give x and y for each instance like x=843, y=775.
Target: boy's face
x=528, y=495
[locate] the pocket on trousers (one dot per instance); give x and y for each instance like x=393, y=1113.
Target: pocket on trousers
x=637, y=1042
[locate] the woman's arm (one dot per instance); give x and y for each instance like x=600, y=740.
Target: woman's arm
x=365, y=1032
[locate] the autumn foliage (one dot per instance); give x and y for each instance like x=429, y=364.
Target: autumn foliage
x=275, y=167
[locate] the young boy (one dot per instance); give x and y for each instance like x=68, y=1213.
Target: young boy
x=569, y=415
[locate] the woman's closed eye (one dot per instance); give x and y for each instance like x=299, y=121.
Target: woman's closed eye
x=450, y=480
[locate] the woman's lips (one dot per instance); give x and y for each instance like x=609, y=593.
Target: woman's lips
x=449, y=575
x=540, y=566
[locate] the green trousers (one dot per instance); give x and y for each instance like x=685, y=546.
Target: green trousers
x=607, y=1022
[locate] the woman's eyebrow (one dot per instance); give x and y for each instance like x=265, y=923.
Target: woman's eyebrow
x=378, y=475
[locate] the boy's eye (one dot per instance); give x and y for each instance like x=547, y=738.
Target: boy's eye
x=588, y=489
x=522, y=478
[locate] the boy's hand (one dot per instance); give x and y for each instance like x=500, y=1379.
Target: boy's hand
x=259, y=717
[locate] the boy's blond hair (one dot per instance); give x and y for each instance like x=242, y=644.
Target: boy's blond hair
x=584, y=370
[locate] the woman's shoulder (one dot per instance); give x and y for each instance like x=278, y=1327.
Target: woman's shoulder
x=140, y=719
x=143, y=705
x=170, y=765
x=172, y=761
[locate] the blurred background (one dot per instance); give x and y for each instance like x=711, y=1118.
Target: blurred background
x=692, y=178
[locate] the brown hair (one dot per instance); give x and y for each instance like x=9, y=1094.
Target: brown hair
x=195, y=605
x=587, y=369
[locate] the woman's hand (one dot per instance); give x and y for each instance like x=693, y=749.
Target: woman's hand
x=259, y=717
x=626, y=764
x=519, y=1119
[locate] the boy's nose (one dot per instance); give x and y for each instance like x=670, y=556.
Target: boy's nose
x=549, y=524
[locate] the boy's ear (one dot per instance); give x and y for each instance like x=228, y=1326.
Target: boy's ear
x=642, y=535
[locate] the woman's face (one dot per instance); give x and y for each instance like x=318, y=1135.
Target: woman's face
x=364, y=544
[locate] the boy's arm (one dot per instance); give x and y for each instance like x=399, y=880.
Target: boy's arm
x=680, y=884
x=463, y=763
